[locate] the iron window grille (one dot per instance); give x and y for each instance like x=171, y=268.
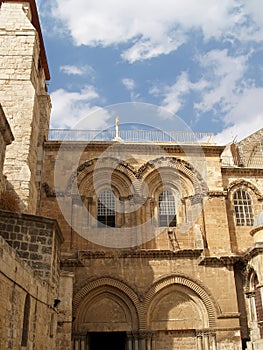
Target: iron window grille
x=106, y=209
x=243, y=208
x=167, y=209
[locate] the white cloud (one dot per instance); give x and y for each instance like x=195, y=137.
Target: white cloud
x=74, y=70
x=153, y=28
x=224, y=92
x=69, y=109
x=174, y=95
x=245, y=118
x=146, y=49
x=128, y=83
x=239, y=130
x=223, y=74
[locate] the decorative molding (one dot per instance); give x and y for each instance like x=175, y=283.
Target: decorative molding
x=241, y=171
x=105, y=282
x=227, y=315
x=227, y=260
x=140, y=253
x=243, y=184
x=217, y=194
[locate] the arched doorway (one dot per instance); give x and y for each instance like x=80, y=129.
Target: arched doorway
x=104, y=318
x=182, y=314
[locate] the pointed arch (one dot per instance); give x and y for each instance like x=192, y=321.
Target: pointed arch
x=107, y=291
x=188, y=288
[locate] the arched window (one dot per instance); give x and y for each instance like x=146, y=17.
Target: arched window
x=167, y=209
x=106, y=211
x=25, y=328
x=243, y=208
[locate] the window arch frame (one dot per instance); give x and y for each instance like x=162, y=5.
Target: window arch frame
x=106, y=209
x=243, y=207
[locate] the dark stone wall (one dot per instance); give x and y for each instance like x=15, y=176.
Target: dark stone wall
x=37, y=241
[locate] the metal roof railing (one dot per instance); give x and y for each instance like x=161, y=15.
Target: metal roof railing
x=135, y=136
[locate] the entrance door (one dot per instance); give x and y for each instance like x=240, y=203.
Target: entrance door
x=107, y=340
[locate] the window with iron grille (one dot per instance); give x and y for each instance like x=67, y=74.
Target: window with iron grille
x=106, y=211
x=167, y=209
x=243, y=208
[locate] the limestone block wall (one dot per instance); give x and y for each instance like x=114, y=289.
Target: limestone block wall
x=250, y=180
x=212, y=220
x=65, y=320
x=37, y=241
x=24, y=98
x=158, y=280
x=28, y=317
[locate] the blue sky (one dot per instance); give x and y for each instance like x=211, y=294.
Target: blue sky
x=200, y=60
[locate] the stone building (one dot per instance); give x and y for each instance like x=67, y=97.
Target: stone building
x=122, y=244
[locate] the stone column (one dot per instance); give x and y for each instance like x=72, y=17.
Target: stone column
x=252, y=306
x=88, y=202
x=83, y=344
x=213, y=341
x=142, y=341
x=136, y=342
x=206, y=341
x=199, y=340
x=80, y=342
x=150, y=341
x=76, y=344
x=153, y=341
x=129, y=341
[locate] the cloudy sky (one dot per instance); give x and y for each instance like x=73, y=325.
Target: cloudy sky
x=200, y=60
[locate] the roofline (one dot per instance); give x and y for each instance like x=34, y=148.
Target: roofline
x=36, y=24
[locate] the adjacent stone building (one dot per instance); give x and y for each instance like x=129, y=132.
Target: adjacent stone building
x=122, y=244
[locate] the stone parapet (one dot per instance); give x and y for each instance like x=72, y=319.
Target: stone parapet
x=37, y=241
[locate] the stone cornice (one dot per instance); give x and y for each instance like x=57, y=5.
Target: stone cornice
x=168, y=148
x=217, y=194
x=257, y=249
x=227, y=260
x=139, y=253
x=241, y=171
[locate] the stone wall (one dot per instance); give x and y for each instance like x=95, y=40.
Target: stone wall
x=37, y=241
x=24, y=97
x=28, y=317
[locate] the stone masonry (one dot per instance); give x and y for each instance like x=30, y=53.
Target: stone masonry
x=69, y=280
x=36, y=240
x=23, y=83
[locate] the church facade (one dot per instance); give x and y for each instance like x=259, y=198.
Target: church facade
x=118, y=243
